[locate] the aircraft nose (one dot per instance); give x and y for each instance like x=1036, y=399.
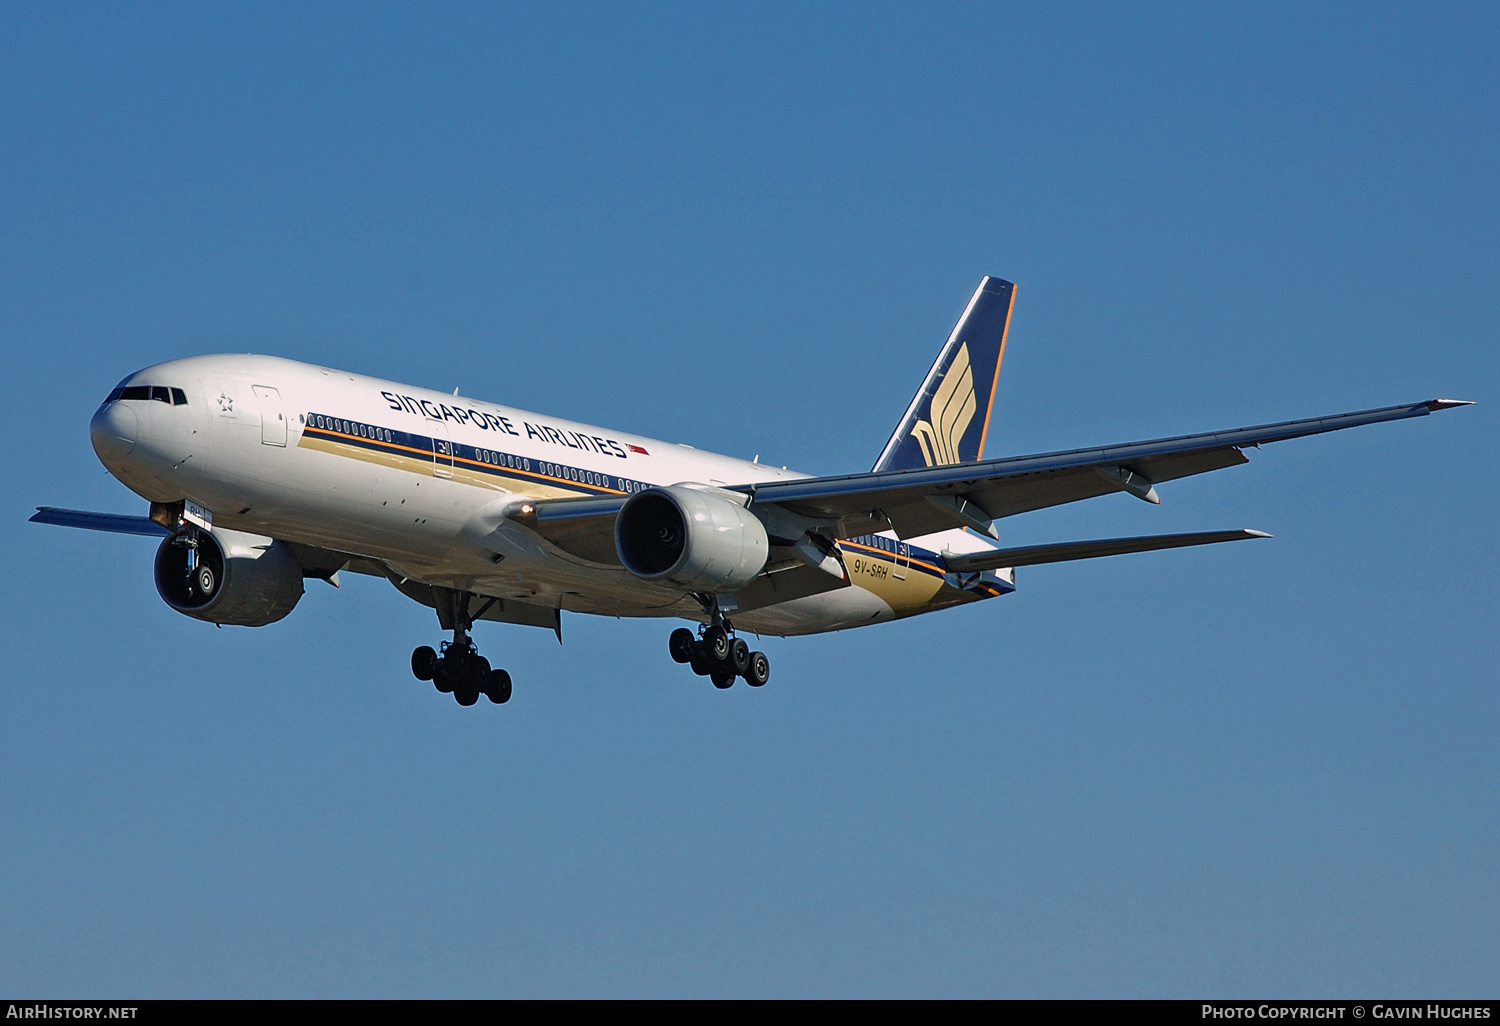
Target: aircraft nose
x=113, y=431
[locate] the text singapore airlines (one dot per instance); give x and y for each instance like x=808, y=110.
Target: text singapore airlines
x=262, y=472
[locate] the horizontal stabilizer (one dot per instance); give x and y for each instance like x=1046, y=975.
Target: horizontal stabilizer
x=114, y=523
x=1029, y=555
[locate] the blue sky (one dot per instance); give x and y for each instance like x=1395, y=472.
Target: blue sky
x=1264, y=769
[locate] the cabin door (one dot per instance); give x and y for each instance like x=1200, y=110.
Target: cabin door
x=272, y=417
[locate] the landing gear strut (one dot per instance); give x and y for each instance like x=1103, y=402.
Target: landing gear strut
x=458, y=668
x=717, y=654
x=201, y=581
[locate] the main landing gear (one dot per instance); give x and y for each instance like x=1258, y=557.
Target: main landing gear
x=458, y=669
x=719, y=655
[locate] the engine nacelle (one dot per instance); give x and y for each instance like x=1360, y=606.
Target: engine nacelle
x=251, y=580
x=697, y=539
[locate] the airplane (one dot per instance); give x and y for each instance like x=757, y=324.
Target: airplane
x=262, y=472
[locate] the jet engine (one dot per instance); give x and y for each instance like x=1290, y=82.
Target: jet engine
x=699, y=539
x=235, y=578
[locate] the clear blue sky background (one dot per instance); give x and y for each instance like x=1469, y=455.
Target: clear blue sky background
x=1263, y=769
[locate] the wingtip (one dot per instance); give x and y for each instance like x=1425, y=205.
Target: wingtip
x=1251, y=532
x=1433, y=405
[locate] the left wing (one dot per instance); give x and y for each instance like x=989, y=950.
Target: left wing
x=931, y=499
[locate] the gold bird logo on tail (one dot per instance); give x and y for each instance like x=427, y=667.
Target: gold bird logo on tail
x=952, y=409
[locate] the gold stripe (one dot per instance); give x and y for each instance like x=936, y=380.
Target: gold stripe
x=999, y=357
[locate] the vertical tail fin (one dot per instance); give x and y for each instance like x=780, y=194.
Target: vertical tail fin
x=943, y=423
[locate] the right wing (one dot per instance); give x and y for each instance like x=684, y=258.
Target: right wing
x=114, y=523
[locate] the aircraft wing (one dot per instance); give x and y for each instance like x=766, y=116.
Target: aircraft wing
x=926, y=500
x=114, y=523
x=931, y=499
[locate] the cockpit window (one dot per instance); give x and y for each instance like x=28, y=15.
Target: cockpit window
x=160, y=393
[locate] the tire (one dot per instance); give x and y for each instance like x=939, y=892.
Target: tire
x=716, y=644
x=477, y=674
x=440, y=677
x=739, y=657
x=464, y=696
x=680, y=644
x=722, y=679
x=204, y=582
x=498, y=689
x=423, y=663
x=759, y=671
x=701, y=664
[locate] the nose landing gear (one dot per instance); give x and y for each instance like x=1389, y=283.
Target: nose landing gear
x=201, y=579
x=458, y=668
x=719, y=656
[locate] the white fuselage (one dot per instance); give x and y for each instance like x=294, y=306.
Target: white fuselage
x=418, y=480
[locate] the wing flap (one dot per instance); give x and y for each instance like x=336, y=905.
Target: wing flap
x=480, y=606
x=785, y=584
x=580, y=527
x=1061, y=552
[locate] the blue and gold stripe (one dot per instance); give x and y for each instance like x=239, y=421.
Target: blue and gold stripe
x=925, y=561
x=442, y=453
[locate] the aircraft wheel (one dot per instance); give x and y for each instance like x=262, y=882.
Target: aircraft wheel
x=204, y=582
x=498, y=690
x=738, y=660
x=442, y=678
x=722, y=679
x=477, y=673
x=759, y=670
x=465, y=696
x=700, y=661
x=423, y=663
x=680, y=644
x=716, y=644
